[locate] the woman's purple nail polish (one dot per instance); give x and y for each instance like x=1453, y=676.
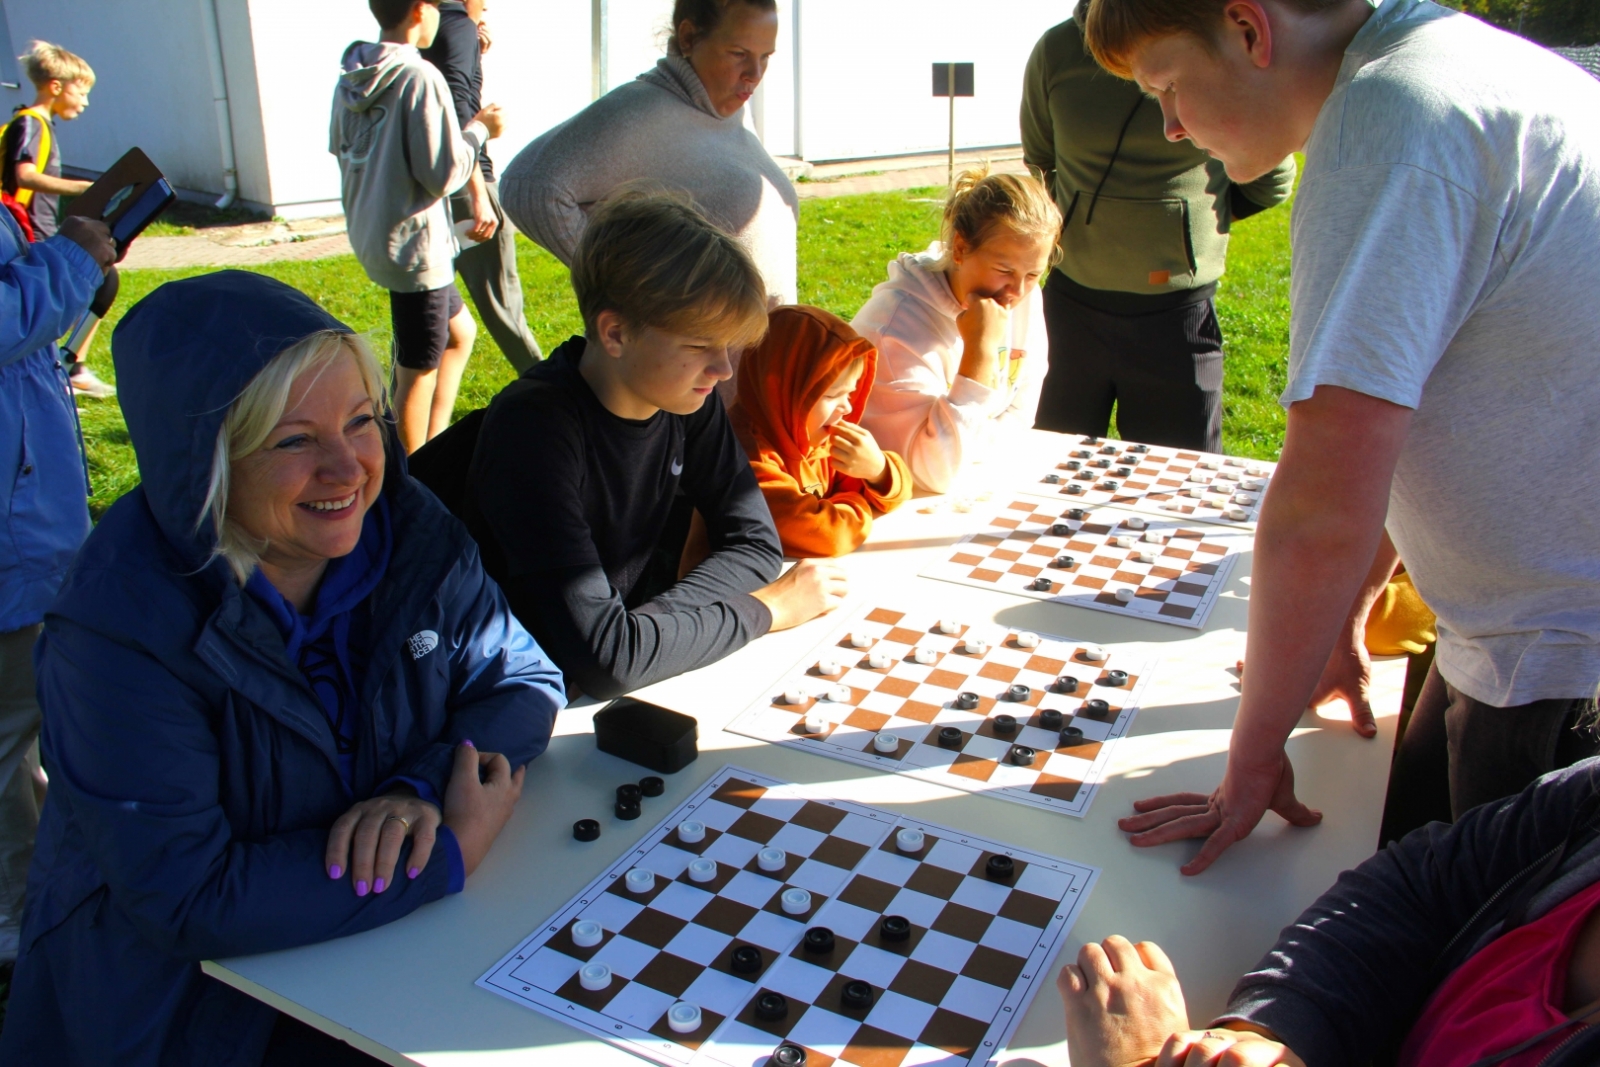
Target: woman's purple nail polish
x=335, y=871
x=361, y=888
x=413, y=872
x=469, y=744
x=378, y=886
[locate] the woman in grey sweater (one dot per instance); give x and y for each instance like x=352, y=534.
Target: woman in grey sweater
x=679, y=125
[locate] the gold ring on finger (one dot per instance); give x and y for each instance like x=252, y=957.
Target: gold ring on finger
x=403, y=821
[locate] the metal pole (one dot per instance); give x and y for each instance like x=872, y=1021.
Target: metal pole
x=219, y=99
x=799, y=85
x=599, y=46
x=952, y=87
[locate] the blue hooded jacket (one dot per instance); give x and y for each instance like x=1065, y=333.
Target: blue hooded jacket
x=193, y=772
x=44, y=493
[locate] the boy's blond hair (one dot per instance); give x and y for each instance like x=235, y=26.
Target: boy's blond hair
x=652, y=258
x=1116, y=29
x=982, y=202
x=46, y=62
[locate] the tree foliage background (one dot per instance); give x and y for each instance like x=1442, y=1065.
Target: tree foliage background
x=1550, y=22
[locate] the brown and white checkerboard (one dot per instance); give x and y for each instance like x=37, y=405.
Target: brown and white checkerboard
x=1172, y=481
x=950, y=993
x=1088, y=554
x=912, y=702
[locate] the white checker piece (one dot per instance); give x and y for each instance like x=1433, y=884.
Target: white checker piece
x=917, y=702
x=950, y=993
x=1174, y=569
x=1158, y=479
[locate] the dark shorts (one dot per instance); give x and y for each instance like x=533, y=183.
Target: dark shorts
x=1457, y=752
x=1162, y=370
x=421, y=324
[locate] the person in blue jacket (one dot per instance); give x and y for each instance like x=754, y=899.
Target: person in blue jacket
x=271, y=683
x=44, y=493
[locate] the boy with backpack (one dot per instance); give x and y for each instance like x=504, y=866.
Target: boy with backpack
x=31, y=184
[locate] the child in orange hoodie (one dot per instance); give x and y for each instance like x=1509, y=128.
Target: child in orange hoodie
x=800, y=396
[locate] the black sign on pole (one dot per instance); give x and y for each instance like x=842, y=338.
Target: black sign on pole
x=941, y=79
x=952, y=80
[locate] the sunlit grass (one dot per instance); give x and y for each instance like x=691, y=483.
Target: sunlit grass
x=845, y=246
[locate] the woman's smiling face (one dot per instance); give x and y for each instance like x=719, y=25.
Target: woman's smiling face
x=306, y=490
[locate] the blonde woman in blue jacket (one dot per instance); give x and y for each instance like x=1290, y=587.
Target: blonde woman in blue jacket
x=270, y=684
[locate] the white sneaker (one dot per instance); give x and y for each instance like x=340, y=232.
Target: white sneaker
x=85, y=383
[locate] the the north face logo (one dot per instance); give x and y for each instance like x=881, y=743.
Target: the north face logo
x=421, y=643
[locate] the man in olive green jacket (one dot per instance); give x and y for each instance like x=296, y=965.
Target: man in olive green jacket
x=1129, y=308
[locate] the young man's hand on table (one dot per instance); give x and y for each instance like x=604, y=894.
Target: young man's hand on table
x=1319, y=546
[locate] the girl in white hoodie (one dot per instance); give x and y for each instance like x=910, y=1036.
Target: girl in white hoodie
x=956, y=357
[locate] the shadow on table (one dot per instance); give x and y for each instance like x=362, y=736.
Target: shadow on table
x=1209, y=715
x=908, y=543
x=1109, y=628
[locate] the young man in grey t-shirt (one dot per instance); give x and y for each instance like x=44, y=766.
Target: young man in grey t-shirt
x=1444, y=379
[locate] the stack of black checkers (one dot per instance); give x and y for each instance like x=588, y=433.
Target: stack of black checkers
x=630, y=797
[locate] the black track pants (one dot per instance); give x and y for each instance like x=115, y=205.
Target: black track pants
x=1163, y=370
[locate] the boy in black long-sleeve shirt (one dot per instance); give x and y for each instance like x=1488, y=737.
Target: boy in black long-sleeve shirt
x=572, y=480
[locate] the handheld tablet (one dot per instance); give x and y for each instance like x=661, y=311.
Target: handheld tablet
x=128, y=198
x=141, y=212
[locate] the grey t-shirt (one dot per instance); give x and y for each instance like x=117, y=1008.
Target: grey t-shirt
x=1447, y=258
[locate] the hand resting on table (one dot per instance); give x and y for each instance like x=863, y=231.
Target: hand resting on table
x=366, y=840
x=1125, y=1008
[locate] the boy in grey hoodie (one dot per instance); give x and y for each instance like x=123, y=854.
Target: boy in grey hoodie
x=401, y=152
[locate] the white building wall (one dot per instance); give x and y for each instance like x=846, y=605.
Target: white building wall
x=295, y=73
x=152, y=89
x=866, y=72
x=244, y=110
x=636, y=36
x=863, y=79
x=539, y=69
x=773, y=103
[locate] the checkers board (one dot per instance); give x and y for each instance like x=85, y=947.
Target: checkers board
x=1174, y=481
x=949, y=990
x=1165, y=569
x=913, y=703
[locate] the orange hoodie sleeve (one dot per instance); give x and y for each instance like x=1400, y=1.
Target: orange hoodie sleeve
x=900, y=486
x=811, y=525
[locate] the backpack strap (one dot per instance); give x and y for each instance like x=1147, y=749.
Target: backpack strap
x=25, y=196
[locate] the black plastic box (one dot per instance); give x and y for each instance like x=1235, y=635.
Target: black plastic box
x=654, y=737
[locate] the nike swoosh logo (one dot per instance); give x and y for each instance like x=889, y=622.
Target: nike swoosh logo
x=677, y=467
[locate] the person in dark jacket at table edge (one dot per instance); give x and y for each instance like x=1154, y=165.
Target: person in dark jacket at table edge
x=270, y=684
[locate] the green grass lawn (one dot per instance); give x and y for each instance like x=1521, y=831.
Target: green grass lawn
x=845, y=243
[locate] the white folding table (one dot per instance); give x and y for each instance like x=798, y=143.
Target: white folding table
x=405, y=994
